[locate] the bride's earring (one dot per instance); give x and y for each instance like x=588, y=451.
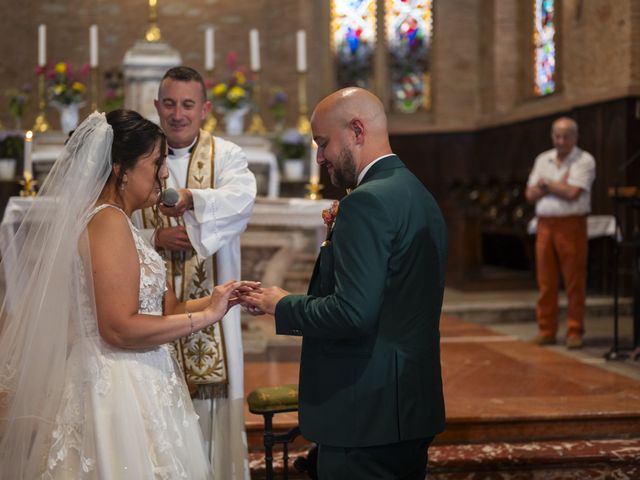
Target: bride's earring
x=124, y=182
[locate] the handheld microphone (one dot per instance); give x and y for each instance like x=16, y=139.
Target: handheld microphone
x=169, y=197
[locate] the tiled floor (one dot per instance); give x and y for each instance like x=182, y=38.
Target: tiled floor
x=497, y=385
x=514, y=410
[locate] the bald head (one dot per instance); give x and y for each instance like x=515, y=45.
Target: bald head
x=354, y=103
x=565, y=123
x=350, y=128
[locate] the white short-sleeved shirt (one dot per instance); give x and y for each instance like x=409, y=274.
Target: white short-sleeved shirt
x=581, y=167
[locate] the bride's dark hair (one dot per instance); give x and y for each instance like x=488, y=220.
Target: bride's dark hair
x=133, y=137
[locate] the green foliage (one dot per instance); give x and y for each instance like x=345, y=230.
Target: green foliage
x=12, y=147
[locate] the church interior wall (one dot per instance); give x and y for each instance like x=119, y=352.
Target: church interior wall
x=481, y=56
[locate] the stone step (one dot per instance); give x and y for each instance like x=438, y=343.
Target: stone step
x=519, y=306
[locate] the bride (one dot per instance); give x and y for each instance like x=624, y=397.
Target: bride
x=88, y=386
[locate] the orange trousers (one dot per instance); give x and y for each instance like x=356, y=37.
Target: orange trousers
x=561, y=247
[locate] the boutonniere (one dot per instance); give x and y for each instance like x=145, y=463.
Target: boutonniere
x=329, y=218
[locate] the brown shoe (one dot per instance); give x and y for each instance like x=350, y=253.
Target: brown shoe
x=574, y=342
x=544, y=340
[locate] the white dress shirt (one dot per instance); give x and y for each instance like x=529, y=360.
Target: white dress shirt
x=580, y=166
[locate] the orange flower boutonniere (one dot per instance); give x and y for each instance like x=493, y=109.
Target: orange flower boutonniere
x=329, y=217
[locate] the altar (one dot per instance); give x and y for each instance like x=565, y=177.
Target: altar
x=279, y=231
x=262, y=161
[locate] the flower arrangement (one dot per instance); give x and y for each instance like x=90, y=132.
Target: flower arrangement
x=293, y=144
x=64, y=84
x=18, y=98
x=234, y=92
x=113, y=89
x=277, y=105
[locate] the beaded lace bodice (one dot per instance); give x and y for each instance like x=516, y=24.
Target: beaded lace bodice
x=152, y=270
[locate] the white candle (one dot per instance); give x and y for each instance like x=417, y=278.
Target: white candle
x=42, y=45
x=254, y=44
x=301, y=43
x=93, y=46
x=209, y=61
x=28, y=145
x=315, y=168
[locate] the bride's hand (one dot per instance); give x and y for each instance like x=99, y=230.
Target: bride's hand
x=221, y=300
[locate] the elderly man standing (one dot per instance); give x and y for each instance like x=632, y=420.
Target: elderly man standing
x=370, y=383
x=199, y=237
x=560, y=186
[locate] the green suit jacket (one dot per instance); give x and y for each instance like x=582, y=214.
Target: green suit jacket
x=370, y=364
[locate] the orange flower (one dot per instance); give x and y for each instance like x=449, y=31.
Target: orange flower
x=329, y=214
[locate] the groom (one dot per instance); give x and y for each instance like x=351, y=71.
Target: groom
x=370, y=382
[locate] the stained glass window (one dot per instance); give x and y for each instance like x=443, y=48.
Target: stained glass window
x=544, y=47
x=354, y=40
x=409, y=33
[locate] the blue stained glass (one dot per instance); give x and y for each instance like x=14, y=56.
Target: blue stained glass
x=409, y=32
x=544, y=47
x=353, y=25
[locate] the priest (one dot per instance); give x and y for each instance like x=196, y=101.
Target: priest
x=199, y=237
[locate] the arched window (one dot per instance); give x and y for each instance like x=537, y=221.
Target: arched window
x=385, y=43
x=544, y=47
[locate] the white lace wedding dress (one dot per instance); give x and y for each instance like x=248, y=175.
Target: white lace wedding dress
x=126, y=414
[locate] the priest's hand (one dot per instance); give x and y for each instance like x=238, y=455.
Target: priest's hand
x=184, y=203
x=264, y=300
x=173, y=238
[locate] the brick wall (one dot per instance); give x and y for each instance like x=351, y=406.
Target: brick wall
x=480, y=58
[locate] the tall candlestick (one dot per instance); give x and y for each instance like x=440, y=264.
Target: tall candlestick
x=315, y=168
x=254, y=44
x=28, y=145
x=93, y=46
x=209, y=61
x=42, y=45
x=301, y=44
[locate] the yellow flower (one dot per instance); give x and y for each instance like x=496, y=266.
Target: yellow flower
x=219, y=90
x=61, y=68
x=59, y=89
x=78, y=87
x=236, y=93
x=241, y=79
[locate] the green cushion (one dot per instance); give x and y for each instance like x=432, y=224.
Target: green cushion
x=283, y=398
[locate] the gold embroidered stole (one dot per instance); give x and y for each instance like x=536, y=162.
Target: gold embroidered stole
x=201, y=354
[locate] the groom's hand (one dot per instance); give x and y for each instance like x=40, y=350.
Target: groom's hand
x=264, y=300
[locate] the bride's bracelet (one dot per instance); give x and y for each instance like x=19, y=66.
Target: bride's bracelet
x=190, y=320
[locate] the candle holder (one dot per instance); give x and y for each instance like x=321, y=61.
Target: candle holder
x=41, y=125
x=94, y=88
x=304, y=127
x=314, y=186
x=210, y=123
x=153, y=31
x=256, y=126
x=28, y=185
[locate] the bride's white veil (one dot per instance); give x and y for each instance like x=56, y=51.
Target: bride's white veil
x=42, y=315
